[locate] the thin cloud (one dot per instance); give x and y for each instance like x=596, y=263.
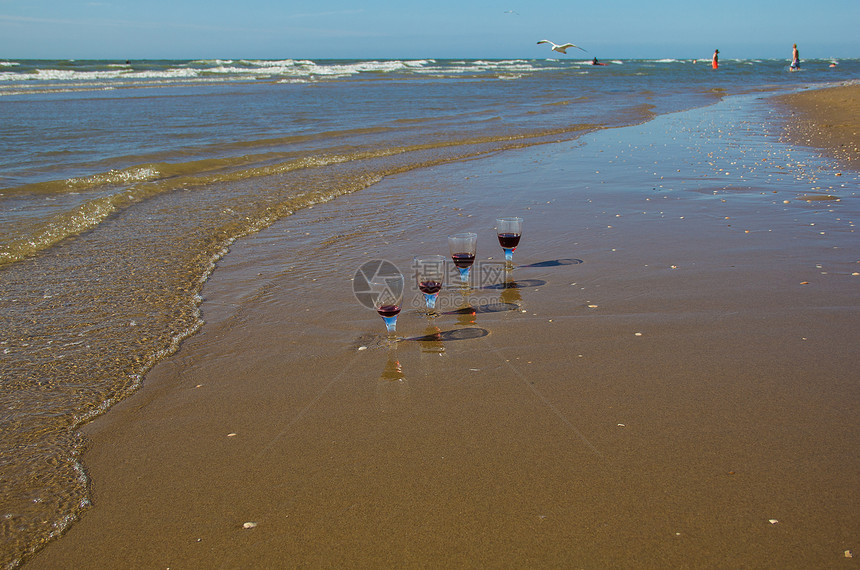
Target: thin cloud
x=170, y=24
x=118, y=23
x=35, y=20
x=326, y=14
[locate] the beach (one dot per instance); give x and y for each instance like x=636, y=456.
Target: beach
x=666, y=378
x=826, y=118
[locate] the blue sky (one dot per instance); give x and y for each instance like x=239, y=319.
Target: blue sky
x=121, y=29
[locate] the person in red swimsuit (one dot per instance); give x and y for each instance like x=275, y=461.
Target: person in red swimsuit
x=715, y=61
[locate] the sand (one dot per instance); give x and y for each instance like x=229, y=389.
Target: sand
x=669, y=380
x=828, y=119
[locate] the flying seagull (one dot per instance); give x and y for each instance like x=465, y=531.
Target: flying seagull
x=561, y=48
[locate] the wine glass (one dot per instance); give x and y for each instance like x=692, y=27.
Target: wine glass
x=463, y=248
x=388, y=291
x=509, y=231
x=430, y=273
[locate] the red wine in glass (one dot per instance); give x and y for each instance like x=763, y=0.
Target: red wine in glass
x=509, y=241
x=509, y=231
x=429, y=273
x=463, y=248
x=430, y=287
x=389, y=294
x=388, y=310
x=463, y=260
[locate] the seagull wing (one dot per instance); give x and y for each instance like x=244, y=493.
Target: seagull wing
x=570, y=45
x=561, y=48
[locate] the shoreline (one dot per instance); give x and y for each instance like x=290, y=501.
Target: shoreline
x=359, y=439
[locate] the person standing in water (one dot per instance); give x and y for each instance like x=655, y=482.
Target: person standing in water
x=715, y=63
x=795, y=58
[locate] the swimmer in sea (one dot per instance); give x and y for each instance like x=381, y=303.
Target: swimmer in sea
x=715, y=63
x=795, y=58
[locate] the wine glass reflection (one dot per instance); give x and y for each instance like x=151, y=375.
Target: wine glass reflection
x=392, y=389
x=431, y=342
x=393, y=371
x=511, y=292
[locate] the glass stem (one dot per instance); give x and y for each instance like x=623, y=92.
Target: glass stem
x=430, y=299
x=464, y=274
x=509, y=255
x=390, y=323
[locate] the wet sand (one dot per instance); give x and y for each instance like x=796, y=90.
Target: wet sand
x=667, y=380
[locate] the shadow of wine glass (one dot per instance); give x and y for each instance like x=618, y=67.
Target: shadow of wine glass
x=518, y=284
x=435, y=338
x=553, y=263
x=469, y=333
x=492, y=307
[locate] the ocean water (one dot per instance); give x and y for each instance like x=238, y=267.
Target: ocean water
x=123, y=183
